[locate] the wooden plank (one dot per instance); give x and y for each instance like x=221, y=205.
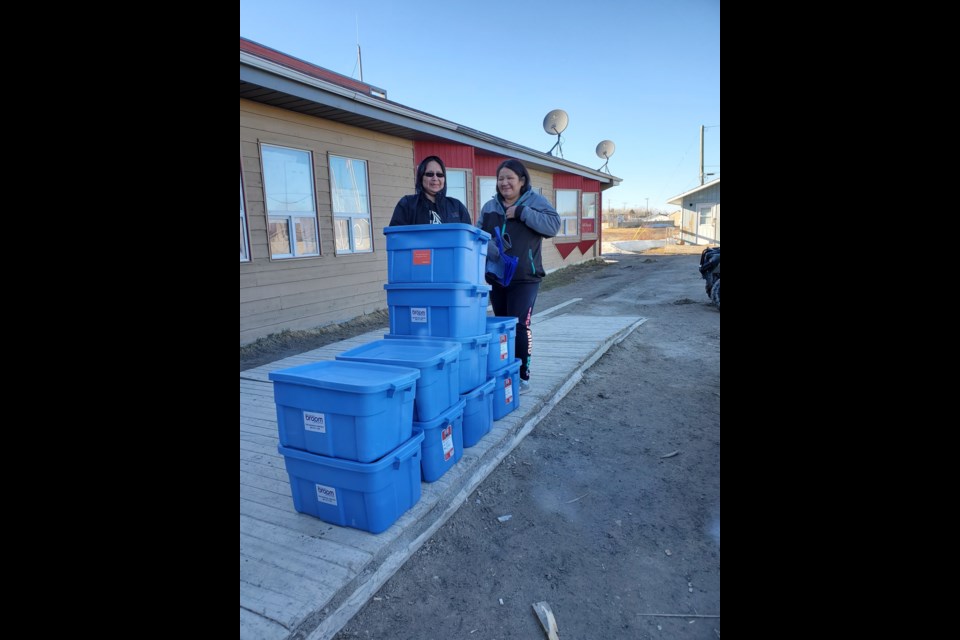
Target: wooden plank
x=266, y=441
x=279, y=570
x=270, y=457
x=265, y=450
x=283, y=608
x=281, y=487
x=319, y=547
x=263, y=431
x=264, y=470
x=288, y=518
x=256, y=627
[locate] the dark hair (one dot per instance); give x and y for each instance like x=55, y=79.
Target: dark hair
x=517, y=167
x=422, y=169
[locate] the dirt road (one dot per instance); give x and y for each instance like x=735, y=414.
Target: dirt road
x=610, y=509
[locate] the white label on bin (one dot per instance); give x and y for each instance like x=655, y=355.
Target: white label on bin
x=446, y=436
x=326, y=495
x=418, y=314
x=508, y=391
x=503, y=346
x=314, y=422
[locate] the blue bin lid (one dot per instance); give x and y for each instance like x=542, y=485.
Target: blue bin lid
x=476, y=289
x=470, y=341
x=501, y=321
x=419, y=354
x=482, y=235
x=355, y=377
x=402, y=453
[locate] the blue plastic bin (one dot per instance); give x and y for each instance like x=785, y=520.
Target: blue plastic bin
x=442, y=442
x=351, y=410
x=473, y=358
x=438, y=387
x=436, y=253
x=478, y=413
x=448, y=310
x=506, y=394
x=368, y=496
x=503, y=342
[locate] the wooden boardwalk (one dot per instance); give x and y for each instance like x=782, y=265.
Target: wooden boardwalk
x=300, y=575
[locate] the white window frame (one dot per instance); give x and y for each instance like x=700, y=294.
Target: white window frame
x=485, y=185
x=290, y=217
x=463, y=173
x=244, y=237
x=569, y=224
x=588, y=210
x=361, y=200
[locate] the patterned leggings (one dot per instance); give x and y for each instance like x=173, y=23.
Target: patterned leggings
x=517, y=300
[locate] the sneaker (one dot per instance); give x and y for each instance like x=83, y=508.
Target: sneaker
x=524, y=386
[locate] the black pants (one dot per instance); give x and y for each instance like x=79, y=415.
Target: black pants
x=517, y=300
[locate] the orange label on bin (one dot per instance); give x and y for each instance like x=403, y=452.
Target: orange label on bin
x=421, y=256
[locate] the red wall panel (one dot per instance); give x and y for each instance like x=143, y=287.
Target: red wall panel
x=567, y=181
x=454, y=155
x=486, y=166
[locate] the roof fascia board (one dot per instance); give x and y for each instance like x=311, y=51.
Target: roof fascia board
x=678, y=199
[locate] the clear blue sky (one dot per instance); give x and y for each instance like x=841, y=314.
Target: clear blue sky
x=644, y=74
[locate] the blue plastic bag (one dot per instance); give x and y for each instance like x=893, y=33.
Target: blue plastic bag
x=501, y=268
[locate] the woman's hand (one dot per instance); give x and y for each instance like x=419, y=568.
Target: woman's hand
x=511, y=212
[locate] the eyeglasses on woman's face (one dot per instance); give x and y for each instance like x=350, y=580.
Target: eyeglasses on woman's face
x=431, y=174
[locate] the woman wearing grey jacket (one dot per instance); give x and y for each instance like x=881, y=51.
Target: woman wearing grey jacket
x=524, y=218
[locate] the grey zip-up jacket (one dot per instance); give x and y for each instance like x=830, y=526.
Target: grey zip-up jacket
x=537, y=220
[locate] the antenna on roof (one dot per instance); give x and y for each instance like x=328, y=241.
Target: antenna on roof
x=554, y=123
x=604, y=150
x=359, y=59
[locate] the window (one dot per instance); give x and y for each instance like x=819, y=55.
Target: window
x=567, y=205
x=487, y=188
x=706, y=213
x=457, y=185
x=350, y=198
x=290, y=202
x=244, y=251
x=588, y=207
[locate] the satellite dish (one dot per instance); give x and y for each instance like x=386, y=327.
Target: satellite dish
x=554, y=123
x=604, y=150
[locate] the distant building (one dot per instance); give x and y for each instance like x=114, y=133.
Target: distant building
x=700, y=214
x=324, y=160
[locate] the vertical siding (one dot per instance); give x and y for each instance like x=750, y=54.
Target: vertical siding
x=316, y=291
x=486, y=166
x=454, y=155
x=567, y=181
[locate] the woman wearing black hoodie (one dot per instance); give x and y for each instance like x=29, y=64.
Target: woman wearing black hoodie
x=430, y=204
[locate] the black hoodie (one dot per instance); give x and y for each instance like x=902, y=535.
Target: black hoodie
x=417, y=208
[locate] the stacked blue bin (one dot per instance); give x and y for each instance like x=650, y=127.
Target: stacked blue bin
x=502, y=365
x=346, y=434
x=436, y=291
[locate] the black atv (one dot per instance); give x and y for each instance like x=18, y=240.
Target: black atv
x=710, y=270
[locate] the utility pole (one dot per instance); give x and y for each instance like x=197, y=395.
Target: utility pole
x=648, y=205
x=701, y=155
